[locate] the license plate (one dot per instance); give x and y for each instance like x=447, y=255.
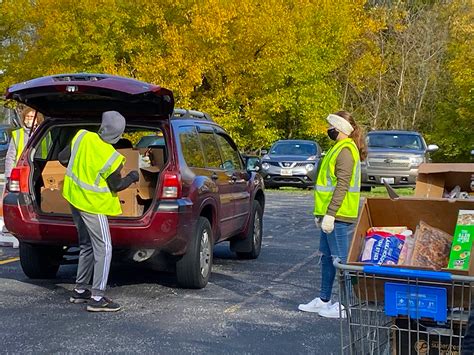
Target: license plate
x=287, y=172
x=388, y=180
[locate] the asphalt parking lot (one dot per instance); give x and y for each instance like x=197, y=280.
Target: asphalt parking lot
x=248, y=306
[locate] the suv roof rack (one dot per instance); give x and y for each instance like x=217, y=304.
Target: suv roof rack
x=180, y=113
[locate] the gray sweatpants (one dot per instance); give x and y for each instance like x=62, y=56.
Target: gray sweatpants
x=95, y=250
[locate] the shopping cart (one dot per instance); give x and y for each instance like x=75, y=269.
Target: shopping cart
x=392, y=310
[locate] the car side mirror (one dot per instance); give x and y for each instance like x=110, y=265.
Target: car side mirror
x=3, y=141
x=252, y=164
x=263, y=152
x=432, y=148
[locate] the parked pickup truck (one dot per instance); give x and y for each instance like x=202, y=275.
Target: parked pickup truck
x=394, y=157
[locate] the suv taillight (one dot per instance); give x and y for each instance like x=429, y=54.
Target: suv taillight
x=19, y=179
x=171, y=186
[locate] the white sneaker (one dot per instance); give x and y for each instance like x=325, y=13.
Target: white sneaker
x=333, y=311
x=314, y=306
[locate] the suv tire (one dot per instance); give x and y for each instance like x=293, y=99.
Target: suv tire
x=39, y=261
x=254, y=235
x=194, y=268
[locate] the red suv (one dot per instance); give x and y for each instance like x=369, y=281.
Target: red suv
x=201, y=192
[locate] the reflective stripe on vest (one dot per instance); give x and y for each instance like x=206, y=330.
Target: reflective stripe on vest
x=326, y=182
x=18, y=137
x=92, y=161
x=45, y=144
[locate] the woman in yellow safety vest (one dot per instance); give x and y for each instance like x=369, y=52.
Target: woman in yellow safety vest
x=336, y=204
x=20, y=138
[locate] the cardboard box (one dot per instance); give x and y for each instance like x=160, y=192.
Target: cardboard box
x=379, y=212
x=424, y=338
x=460, y=257
x=133, y=200
x=52, y=200
x=137, y=195
x=433, y=179
x=131, y=206
x=53, y=175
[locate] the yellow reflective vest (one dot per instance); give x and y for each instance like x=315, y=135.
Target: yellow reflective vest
x=19, y=140
x=18, y=137
x=91, y=163
x=326, y=182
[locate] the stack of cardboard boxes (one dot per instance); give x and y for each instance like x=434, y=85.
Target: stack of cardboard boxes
x=134, y=199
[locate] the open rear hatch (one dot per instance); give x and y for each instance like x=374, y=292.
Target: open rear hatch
x=73, y=101
x=87, y=95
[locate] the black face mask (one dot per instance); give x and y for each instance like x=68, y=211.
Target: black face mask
x=333, y=133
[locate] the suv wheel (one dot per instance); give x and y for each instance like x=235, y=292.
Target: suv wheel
x=194, y=268
x=255, y=233
x=39, y=261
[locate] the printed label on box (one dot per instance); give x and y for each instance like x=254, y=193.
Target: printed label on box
x=460, y=255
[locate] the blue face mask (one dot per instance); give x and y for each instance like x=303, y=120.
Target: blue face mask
x=333, y=133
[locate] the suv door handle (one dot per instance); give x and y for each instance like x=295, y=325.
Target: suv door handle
x=214, y=176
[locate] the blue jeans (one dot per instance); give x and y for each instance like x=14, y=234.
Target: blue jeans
x=334, y=244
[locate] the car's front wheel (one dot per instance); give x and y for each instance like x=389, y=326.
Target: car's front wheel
x=40, y=261
x=254, y=236
x=194, y=268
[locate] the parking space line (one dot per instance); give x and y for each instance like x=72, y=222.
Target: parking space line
x=237, y=306
x=11, y=260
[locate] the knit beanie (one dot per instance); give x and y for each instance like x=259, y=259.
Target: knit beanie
x=112, y=127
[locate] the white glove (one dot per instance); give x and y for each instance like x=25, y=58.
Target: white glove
x=317, y=222
x=328, y=224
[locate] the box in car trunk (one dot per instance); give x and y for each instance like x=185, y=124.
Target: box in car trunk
x=133, y=200
x=137, y=196
x=52, y=200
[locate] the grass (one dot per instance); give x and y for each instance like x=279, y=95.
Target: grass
x=375, y=192
x=382, y=192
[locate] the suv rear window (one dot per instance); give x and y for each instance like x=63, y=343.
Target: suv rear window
x=191, y=147
x=211, y=150
x=396, y=141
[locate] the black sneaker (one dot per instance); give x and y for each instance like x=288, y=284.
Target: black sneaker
x=80, y=297
x=104, y=305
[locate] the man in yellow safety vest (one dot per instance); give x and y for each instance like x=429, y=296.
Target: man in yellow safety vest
x=90, y=186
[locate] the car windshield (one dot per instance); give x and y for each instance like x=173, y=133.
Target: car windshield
x=294, y=149
x=398, y=141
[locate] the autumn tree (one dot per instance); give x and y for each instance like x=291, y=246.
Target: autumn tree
x=265, y=70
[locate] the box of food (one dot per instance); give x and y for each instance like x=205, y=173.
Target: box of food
x=440, y=214
x=138, y=195
x=424, y=337
x=460, y=257
x=52, y=200
x=434, y=179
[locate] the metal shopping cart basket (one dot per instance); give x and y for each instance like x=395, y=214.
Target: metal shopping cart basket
x=391, y=310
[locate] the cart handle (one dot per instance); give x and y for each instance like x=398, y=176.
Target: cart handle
x=402, y=272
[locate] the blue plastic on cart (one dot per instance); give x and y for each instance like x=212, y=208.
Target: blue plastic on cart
x=418, y=301
x=408, y=273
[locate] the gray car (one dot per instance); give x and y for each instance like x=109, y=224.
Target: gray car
x=291, y=163
x=394, y=157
